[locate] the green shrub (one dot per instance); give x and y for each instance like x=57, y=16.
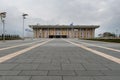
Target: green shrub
x=10, y=37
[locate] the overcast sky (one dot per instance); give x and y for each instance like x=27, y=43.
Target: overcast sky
x=105, y=13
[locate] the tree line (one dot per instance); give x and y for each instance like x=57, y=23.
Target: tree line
x=108, y=34
x=10, y=37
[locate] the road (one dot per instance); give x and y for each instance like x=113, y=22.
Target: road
x=59, y=59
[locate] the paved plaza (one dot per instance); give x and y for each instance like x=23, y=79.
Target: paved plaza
x=59, y=59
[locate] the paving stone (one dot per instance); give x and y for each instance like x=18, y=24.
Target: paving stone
x=15, y=78
x=61, y=61
x=72, y=67
x=60, y=58
x=89, y=73
x=61, y=73
x=77, y=61
x=42, y=61
x=10, y=61
x=107, y=78
x=7, y=73
x=111, y=73
x=77, y=78
x=113, y=66
x=26, y=67
x=23, y=61
x=9, y=51
x=7, y=66
x=95, y=67
x=49, y=67
x=33, y=73
x=46, y=78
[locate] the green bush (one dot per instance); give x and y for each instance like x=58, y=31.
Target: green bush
x=10, y=37
x=106, y=40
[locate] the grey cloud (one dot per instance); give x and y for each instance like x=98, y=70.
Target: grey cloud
x=102, y=12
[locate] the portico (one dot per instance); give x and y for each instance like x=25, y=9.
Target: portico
x=64, y=31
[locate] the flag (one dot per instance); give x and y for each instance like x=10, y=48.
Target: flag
x=28, y=30
x=71, y=24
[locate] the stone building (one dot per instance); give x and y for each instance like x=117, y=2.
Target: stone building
x=64, y=31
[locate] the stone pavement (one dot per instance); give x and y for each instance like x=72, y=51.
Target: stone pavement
x=59, y=60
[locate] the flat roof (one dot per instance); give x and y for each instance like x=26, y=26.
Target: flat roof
x=64, y=26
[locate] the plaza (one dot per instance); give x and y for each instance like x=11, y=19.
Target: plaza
x=59, y=59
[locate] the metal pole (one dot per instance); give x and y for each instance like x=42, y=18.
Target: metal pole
x=48, y=33
x=72, y=32
x=32, y=33
x=60, y=32
x=3, y=30
x=54, y=33
x=116, y=33
x=67, y=32
x=72, y=29
x=24, y=17
x=3, y=15
x=41, y=32
x=23, y=27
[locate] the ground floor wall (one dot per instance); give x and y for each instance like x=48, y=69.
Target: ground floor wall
x=64, y=33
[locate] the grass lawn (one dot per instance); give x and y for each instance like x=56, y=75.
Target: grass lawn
x=106, y=40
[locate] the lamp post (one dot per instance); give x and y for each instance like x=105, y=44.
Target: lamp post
x=32, y=33
x=3, y=15
x=72, y=29
x=24, y=17
x=116, y=33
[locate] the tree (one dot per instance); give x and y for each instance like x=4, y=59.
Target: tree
x=108, y=34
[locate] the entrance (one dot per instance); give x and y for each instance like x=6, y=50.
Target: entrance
x=57, y=36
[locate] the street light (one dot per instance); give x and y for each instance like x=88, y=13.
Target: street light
x=3, y=15
x=24, y=17
x=72, y=29
x=116, y=32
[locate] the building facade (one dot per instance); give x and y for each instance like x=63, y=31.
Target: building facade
x=64, y=31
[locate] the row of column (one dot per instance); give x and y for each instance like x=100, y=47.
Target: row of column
x=71, y=33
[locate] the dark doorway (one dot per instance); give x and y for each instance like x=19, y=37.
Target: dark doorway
x=64, y=36
x=57, y=36
x=51, y=36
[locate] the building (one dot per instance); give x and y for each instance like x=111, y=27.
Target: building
x=64, y=31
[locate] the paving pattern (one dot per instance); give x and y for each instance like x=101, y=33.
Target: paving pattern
x=59, y=60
